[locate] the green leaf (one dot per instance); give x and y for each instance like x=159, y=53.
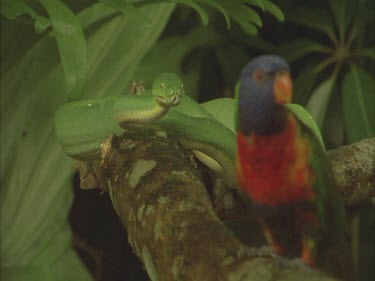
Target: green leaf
x=30, y=273
x=266, y=5
x=243, y=15
x=339, y=8
x=12, y=9
x=197, y=8
x=41, y=24
x=274, y=10
x=35, y=173
x=305, y=117
x=71, y=44
x=95, y=13
x=318, y=102
x=368, y=52
x=223, y=110
x=220, y=9
x=114, y=69
x=303, y=84
x=363, y=21
x=256, y=3
x=312, y=17
x=297, y=49
x=128, y=9
x=358, y=104
x=333, y=129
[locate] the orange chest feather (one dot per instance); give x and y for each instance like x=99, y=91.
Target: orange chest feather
x=275, y=170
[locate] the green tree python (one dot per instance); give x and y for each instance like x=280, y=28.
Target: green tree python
x=207, y=129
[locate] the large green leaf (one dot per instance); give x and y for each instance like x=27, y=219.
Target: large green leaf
x=15, y=8
x=274, y=10
x=299, y=48
x=359, y=104
x=367, y=52
x=239, y=11
x=303, y=84
x=363, y=22
x=305, y=117
x=35, y=174
x=311, y=14
x=333, y=129
x=128, y=9
x=71, y=43
x=318, y=102
x=223, y=110
x=342, y=12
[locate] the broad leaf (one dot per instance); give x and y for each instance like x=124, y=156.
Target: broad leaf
x=333, y=129
x=128, y=9
x=310, y=15
x=197, y=8
x=15, y=8
x=223, y=110
x=299, y=48
x=358, y=104
x=305, y=117
x=342, y=11
x=274, y=10
x=303, y=84
x=35, y=173
x=220, y=9
x=368, y=52
x=318, y=102
x=71, y=43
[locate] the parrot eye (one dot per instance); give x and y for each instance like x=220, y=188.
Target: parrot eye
x=259, y=76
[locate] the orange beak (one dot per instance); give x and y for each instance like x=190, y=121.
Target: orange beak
x=283, y=88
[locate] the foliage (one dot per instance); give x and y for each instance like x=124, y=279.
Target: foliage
x=53, y=51
x=99, y=49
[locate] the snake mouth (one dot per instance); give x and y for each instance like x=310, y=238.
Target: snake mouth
x=173, y=100
x=176, y=99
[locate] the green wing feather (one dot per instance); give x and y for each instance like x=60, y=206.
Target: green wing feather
x=333, y=249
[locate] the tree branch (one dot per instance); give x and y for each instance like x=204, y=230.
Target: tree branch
x=354, y=170
x=158, y=193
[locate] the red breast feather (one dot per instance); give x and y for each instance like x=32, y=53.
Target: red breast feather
x=275, y=169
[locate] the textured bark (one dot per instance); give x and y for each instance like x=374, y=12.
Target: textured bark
x=159, y=195
x=354, y=170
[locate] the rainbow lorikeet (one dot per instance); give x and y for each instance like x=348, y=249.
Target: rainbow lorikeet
x=283, y=169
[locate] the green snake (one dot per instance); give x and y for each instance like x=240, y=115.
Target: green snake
x=82, y=126
x=207, y=129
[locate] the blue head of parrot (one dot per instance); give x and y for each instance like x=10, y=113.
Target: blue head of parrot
x=265, y=85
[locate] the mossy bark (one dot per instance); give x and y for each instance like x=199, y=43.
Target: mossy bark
x=354, y=170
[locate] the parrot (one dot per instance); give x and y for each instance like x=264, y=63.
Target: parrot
x=284, y=171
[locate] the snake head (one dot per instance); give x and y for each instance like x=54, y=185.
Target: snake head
x=168, y=89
